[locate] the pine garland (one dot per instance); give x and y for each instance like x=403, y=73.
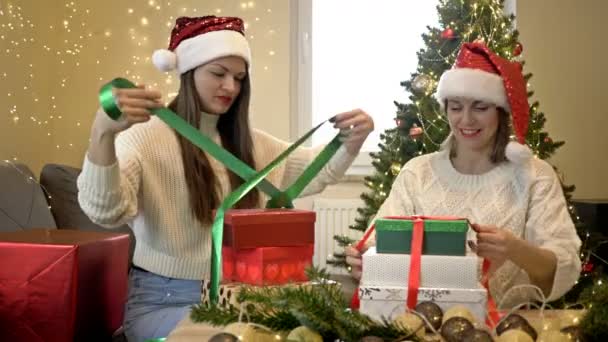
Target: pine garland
x=320, y=307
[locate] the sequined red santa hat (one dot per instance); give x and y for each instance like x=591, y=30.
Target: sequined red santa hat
x=480, y=74
x=196, y=41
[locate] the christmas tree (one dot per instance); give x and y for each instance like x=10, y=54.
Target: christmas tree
x=421, y=126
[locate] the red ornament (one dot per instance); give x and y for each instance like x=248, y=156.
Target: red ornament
x=548, y=140
x=415, y=132
x=588, y=267
x=448, y=33
x=518, y=49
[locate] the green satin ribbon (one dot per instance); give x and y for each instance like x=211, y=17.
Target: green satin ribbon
x=278, y=199
x=181, y=126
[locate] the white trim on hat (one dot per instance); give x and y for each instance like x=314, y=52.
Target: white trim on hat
x=204, y=48
x=472, y=83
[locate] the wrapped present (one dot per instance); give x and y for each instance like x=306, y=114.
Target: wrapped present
x=62, y=285
x=251, y=228
x=438, y=271
x=390, y=301
x=442, y=236
x=266, y=265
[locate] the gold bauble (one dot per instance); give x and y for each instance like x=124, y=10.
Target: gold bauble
x=304, y=334
x=395, y=168
x=248, y=332
x=412, y=322
x=514, y=335
x=459, y=311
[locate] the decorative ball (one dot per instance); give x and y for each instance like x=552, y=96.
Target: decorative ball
x=515, y=321
x=422, y=83
x=456, y=328
x=415, y=132
x=432, y=312
x=304, y=334
x=477, y=335
x=371, y=339
x=546, y=324
x=395, y=168
x=553, y=336
x=514, y=335
x=224, y=337
x=518, y=49
x=411, y=322
x=548, y=140
x=448, y=33
x=459, y=311
x=247, y=332
x=588, y=266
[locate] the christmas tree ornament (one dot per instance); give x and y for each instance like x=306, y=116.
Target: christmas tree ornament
x=455, y=329
x=399, y=122
x=548, y=140
x=415, y=132
x=448, y=33
x=395, y=168
x=422, y=83
x=545, y=324
x=514, y=335
x=518, y=49
x=553, y=336
x=304, y=334
x=515, y=321
x=412, y=323
x=248, y=332
x=432, y=312
x=477, y=335
x=224, y=337
x=459, y=311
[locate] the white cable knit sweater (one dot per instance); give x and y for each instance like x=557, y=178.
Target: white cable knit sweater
x=147, y=190
x=525, y=198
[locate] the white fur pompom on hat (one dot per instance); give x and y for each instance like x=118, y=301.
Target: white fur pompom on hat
x=164, y=60
x=518, y=153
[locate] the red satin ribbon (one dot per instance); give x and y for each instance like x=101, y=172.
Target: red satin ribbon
x=493, y=316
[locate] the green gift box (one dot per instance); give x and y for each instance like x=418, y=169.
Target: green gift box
x=441, y=237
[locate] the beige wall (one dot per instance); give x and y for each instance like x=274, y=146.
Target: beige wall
x=562, y=47
x=118, y=55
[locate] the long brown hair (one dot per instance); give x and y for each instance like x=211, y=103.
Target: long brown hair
x=235, y=133
x=503, y=136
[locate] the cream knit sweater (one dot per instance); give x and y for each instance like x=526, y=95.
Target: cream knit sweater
x=146, y=189
x=527, y=199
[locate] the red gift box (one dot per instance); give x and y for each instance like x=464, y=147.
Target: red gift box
x=62, y=285
x=252, y=228
x=266, y=265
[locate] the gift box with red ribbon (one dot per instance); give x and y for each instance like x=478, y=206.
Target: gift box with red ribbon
x=62, y=285
x=266, y=265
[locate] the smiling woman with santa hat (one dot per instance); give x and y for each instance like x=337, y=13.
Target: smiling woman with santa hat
x=166, y=189
x=519, y=214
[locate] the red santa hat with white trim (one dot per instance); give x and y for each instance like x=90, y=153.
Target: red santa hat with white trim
x=480, y=74
x=196, y=41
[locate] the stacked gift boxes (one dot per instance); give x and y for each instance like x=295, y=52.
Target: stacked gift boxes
x=264, y=247
x=448, y=276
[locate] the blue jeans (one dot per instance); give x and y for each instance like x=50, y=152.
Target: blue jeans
x=156, y=304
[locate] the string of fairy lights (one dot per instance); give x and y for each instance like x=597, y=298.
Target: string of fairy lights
x=50, y=58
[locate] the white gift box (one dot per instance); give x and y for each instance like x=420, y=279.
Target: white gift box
x=389, y=301
x=436, y=271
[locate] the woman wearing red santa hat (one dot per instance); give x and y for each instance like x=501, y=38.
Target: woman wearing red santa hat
x=521, y=222
x=166, y=189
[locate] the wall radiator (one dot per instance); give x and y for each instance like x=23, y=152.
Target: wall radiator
x=334, y=216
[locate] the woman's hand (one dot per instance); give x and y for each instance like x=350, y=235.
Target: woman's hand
x=495, y=244
x=354, y=126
